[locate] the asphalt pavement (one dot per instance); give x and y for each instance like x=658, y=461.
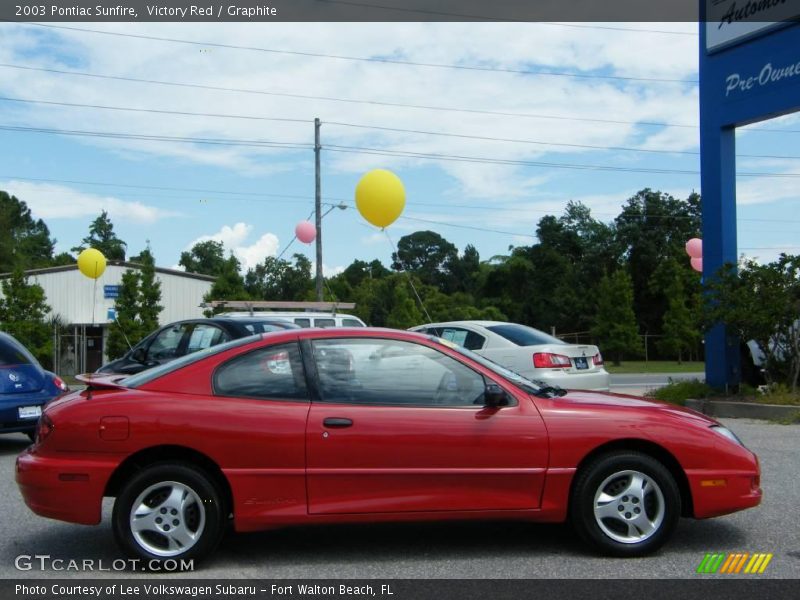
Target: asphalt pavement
x=439, y=550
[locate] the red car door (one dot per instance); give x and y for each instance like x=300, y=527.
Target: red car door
x=403, y=427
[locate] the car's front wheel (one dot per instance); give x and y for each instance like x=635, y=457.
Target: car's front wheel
x=168, y=511
x=625, y=503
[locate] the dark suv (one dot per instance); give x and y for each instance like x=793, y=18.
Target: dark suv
x=184, y=337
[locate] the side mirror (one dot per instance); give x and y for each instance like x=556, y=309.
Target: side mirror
x=138, y=355
x=494, y=396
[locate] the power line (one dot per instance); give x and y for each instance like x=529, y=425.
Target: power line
x=159, y=138
x=538, y=142
x=390, y=61
x=502, y=161
x=330, y=201
x=344, y=100
x=151, y=187
x=154, y=110
x=379, y=128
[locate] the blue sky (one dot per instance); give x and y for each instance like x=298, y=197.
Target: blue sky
x=174, y=193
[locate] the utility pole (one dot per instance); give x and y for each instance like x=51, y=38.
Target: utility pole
x=318, y=206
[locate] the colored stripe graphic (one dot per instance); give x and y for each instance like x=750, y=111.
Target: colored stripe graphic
x=734, y=562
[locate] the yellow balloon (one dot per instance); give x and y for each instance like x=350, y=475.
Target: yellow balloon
x=91, y=263
x=380, y=197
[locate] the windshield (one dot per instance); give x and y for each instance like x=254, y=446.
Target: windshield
x=149, y=375
x=522, y=335
x=515, y=378
x=13, y=353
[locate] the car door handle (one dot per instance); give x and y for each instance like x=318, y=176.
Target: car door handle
x=337, y=422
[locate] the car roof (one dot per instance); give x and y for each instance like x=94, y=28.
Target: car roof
x=467, y=323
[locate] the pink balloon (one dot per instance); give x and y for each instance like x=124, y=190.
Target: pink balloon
x=697, y=264
x=694, y=248
x=305, y=232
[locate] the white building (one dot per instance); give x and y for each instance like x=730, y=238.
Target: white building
x=85, y=307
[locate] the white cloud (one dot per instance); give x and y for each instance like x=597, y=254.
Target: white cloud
x=532, y=46
x=50, y=201
x=234, y=239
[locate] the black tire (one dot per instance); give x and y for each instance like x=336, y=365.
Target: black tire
x=638, y=523
x=201, y=515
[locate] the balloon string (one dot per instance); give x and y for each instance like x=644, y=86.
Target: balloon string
x=410, y=281
x=94, y=295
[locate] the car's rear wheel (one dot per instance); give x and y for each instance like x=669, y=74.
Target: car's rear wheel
x=168, y=512
x=625, y=504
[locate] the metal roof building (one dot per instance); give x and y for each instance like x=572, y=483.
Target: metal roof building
x=85, y=307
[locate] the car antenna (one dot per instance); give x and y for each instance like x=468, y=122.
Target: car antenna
x=123, y=331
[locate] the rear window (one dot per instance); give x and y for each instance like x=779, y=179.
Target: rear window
x=11, y=353
x=149, y=375
x=522, y=335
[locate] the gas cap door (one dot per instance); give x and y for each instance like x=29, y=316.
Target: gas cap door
x=114, y=429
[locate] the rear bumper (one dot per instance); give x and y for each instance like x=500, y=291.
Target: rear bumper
x=9, y=415
x=594, y=382
x=68, y=489
x=721, y=492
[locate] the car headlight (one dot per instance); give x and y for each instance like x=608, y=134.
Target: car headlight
x=727, y=433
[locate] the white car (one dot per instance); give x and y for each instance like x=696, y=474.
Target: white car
x=528, y=351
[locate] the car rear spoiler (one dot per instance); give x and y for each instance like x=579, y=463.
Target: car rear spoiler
x=100, y=381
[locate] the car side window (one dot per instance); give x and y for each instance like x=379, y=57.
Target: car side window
x=464, y=338
x=166, y=344
x=324, y=323
x=351, y=323
x=303, y=322
x=394, y=373
x=272, y=373
x=204, y=336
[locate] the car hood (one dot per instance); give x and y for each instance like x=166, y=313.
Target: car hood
x=611, y=400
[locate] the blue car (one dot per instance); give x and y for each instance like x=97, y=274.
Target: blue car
x=24, y=387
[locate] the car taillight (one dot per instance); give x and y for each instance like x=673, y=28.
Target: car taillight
x=59, y=383
x=44, y=428
x=546, y=360
x=597, y=359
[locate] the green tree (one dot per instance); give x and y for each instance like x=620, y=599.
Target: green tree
x=23, y=310
x=404, y=312
x=206, y=257
x=102, y=237
x=137, y=306
x=653, y=227
x=278, y=279
x=681, y=329
x=615, y=322
x=762, y=303
x=25, y=241
x=149, y=292
x=229, y=285
x=426, y=254
x=127, y=328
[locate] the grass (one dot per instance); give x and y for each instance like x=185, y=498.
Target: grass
x=655, y=366
x=678, y=392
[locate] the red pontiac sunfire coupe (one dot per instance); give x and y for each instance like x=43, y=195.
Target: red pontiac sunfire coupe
x=364, y=425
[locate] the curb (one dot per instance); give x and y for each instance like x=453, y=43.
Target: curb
x=742, y=410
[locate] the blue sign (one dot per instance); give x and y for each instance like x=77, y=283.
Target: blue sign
x=111, y=291
x=743, y=79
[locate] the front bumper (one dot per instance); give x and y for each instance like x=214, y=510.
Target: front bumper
x=721, y=492
x=68, y=489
